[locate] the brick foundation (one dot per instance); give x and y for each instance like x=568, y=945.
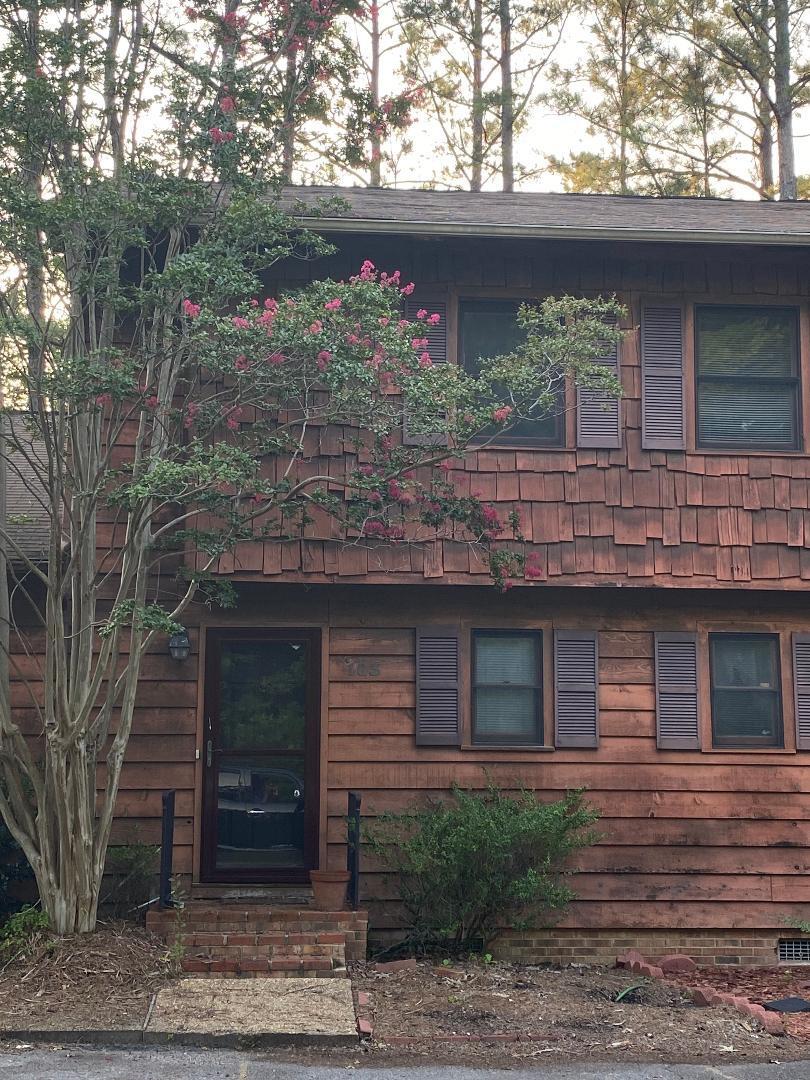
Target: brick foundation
x=746, y=948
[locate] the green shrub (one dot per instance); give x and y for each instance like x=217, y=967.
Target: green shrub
x=21, y=931
x=130, y=878
x=480, y=862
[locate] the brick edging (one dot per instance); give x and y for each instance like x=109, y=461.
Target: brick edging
x=701, y=994
x=363, y=1014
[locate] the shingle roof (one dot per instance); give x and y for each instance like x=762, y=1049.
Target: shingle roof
x=28, y=520
x=553, y=214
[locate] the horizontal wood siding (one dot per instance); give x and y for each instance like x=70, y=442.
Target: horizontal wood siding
x=712, y=839
x=690, y=839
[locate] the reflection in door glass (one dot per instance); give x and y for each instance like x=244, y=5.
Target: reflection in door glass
x=263, y=695
x=260, y=812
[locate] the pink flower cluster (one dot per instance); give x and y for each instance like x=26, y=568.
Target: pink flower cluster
x=333, y=305
x=190, y=309
x=219, y=136
x=502, y=414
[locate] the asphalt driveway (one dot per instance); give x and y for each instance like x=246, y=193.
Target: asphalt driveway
x=177, y=1064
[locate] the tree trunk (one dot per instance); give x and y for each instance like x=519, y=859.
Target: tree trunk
x=375, y=168
x=476, y=178
x=288, y=125
x=507, y=97
x=624, y=103
x=784, y=100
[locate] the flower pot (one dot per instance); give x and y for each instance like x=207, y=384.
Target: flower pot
x=329, y=889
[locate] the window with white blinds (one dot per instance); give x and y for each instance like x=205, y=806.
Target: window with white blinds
x=747, y=366
x=507, y=688
x=746, y=689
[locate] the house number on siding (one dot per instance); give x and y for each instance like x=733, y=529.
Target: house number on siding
x=362, y=666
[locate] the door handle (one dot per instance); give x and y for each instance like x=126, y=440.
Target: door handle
x=209, y=753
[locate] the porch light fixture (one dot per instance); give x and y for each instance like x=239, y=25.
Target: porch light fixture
x=179, y=645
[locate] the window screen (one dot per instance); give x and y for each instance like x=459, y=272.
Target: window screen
x=747, y=377
x=507, y=684
x=489, y=328
x=746, y=694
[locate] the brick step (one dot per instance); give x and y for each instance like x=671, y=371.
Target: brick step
x=295, y=943
x=257, y=967
x=209, y=927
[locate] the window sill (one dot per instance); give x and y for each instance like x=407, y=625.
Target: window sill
x=712, y=450
x=523, y=747
x=748, y=748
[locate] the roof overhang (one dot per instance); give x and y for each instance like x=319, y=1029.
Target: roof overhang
x=548, y=232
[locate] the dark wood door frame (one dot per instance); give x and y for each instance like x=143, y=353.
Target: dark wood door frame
x=312, y=755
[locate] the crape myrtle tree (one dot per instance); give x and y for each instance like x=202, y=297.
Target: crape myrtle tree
x=163, y=394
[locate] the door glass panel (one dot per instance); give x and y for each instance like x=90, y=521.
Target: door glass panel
x=259, y=756
x=263, y=695
x=260, y=812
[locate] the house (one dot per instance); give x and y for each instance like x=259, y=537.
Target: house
x=659, y=655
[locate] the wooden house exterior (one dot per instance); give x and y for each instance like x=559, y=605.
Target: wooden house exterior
x=659, y=653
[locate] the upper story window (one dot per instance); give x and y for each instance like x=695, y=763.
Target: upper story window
x=746, y=689
x=507, y=688
x=747, y=367
x=489, y=328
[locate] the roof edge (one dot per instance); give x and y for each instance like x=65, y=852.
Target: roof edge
x=570, y=232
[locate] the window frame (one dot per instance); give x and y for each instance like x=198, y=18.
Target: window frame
x=559, y=440
x=795, y=380
x=725, y=742
x=539, y=686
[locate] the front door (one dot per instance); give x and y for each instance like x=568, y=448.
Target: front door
x=261, y=752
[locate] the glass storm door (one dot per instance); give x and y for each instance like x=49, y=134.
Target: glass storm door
x=260, y=755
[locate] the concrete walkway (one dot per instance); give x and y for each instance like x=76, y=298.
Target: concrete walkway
x=167, y=1064
x=311, y=1012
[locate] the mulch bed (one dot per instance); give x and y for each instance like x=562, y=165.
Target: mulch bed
x=99, y=980
x=570, y=1012
x=759, y=985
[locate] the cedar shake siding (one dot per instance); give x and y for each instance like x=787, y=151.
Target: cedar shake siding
x=627, y=497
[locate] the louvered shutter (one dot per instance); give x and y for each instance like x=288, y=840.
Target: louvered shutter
x=677, y=701
x=437, y=350
x=576, y=688
x=599, y=414
x=437, y=686
x=662, y=407
x=801, y=689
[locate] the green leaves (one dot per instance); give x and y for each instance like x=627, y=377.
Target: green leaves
x=480, y=861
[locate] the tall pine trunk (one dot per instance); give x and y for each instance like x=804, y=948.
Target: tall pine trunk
x=477, y=173
x=784, y=100
x=507, y=97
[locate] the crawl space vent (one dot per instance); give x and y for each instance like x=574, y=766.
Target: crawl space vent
x=794, y=951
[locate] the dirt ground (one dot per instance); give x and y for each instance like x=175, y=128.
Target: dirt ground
x=571, y=1013
x=105, y=979
x=762, y=985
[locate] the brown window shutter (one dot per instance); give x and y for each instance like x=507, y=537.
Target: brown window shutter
x=677, y=699
x=437, y=686
x=436, y=335
x=801, y=689
x=662, y=407
x=576, y=688
x=599, y=414
x=437, y=350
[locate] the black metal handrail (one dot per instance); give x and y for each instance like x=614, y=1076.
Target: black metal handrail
x=165, y=899
x=353, y=849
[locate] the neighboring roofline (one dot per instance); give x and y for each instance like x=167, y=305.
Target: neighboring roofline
x=566, y=232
